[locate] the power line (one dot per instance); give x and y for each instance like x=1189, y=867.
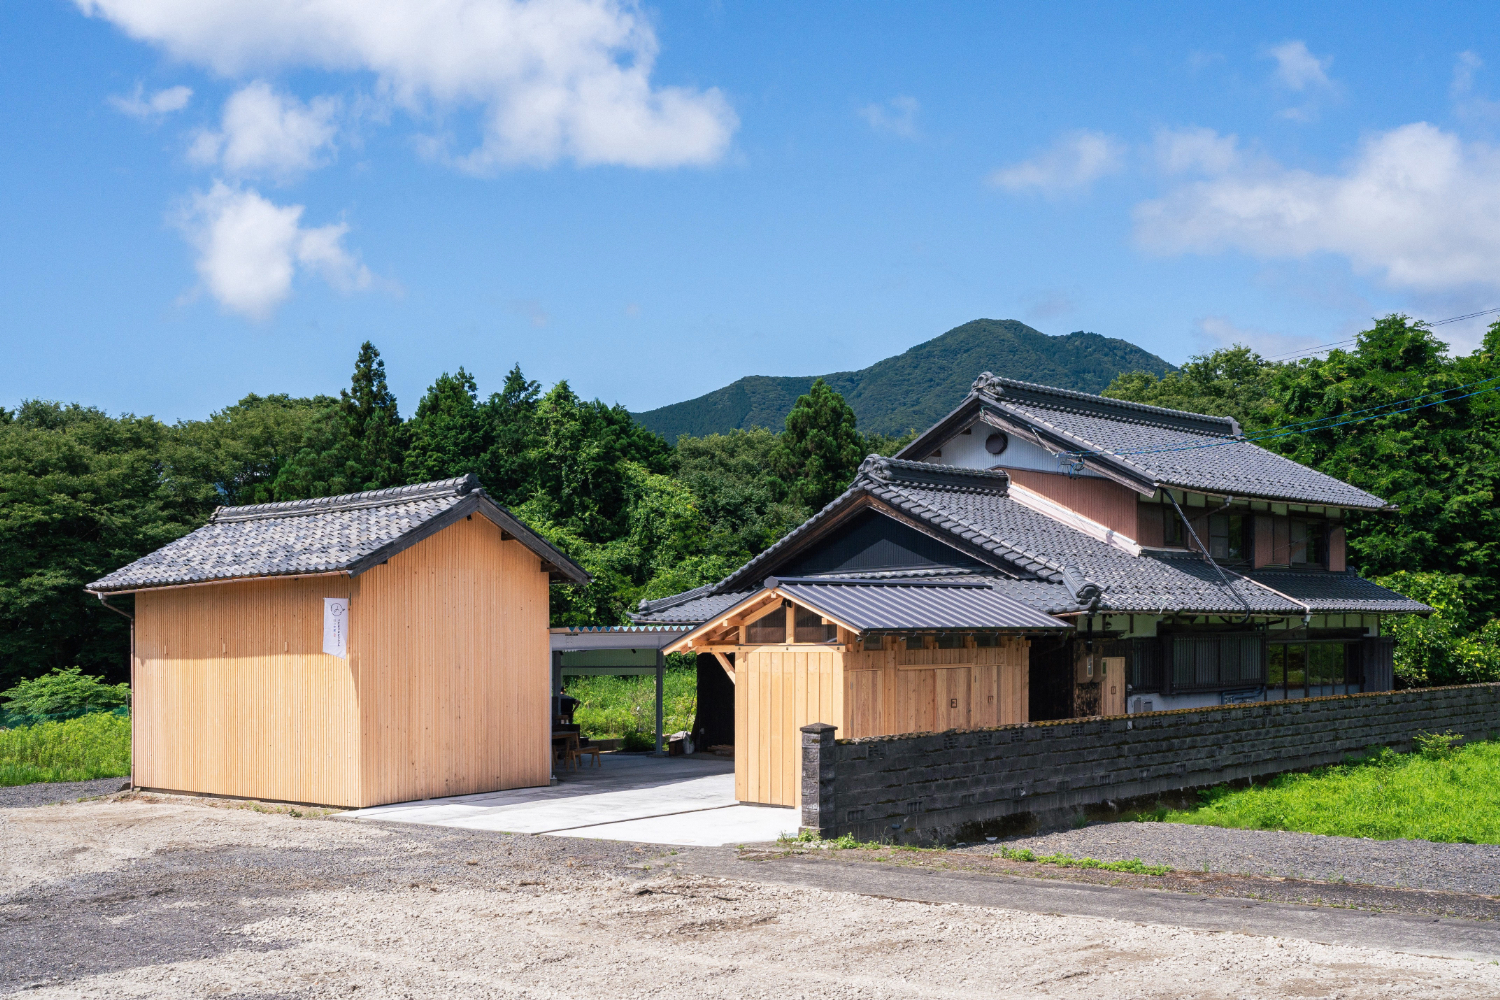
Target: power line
x=1340, y=343
x=1284, y=432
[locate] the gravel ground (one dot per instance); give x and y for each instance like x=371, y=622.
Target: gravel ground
x=1410, y=864
x=150, y=896
x=46, y=793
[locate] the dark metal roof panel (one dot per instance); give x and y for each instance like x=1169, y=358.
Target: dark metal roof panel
x=895, y=606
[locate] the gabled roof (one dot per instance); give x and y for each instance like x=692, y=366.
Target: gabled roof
x=1143, y=447
x=349, y=534
x=1037, y=560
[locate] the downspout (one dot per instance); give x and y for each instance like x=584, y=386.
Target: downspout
x=1204, y=549
x=105, y=601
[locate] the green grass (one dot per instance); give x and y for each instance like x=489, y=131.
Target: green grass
x=613, y=707
x=1443, y=794
x=91, y=746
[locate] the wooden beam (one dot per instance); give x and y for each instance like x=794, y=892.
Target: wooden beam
x=724, y=662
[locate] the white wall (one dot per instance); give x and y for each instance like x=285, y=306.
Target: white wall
x=967, y=451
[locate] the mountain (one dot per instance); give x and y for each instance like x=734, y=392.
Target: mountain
x=914, y=389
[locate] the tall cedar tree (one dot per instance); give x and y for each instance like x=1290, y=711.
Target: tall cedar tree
x=820, y=450
x=369, y=410
x=508, y=465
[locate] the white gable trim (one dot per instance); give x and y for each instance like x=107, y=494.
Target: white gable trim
x=1033, y=500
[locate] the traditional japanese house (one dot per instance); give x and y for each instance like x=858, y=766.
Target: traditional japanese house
x=1191, y=566
x=350, y=650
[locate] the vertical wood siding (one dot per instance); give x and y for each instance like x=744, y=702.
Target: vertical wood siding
x=1102, y=500
x=450, y=638
x=445, y=690
x=234, y=695
x=876, y=693
x=889, y=692
x=776, y=693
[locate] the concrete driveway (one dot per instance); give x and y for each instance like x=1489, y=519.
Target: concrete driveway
x=635, y=797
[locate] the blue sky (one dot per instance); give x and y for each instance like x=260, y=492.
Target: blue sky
x=203, y=199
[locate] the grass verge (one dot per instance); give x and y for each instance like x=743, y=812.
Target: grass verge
x=1134, y=865
x=614, y=707
x=1441, y=793
x=90, y=746
x=847, y=843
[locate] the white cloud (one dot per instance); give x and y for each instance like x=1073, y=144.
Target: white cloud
x=1217, y=331
x=1416, y=206
x=898, y=116
x=266, y=133
x=1297, y=68
x=1075, y=161
x=553, y=78
x=1299, y=71
x=249, y=250
x=163, y=102
x=1199, y=150
x=1467, y=103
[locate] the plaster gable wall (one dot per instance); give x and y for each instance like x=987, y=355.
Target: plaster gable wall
x=967, y=451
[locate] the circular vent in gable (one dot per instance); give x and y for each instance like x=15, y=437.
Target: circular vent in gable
x=996, y=442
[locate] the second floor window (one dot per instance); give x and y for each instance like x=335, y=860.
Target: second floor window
x=1307, y=543
x=1229, y=537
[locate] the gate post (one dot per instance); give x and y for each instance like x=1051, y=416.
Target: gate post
x=817, y=779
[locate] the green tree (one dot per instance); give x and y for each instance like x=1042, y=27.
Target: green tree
x=81, y=494
x=242, y=449
x=369, y=409
x=1453, y=645
x=450, y=433
x=820, y=450
x=1230, y=382
x=745, y=505
x=508, y=467
x=1438, y=463
x=355, y=443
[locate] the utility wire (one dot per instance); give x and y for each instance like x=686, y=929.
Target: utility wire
x=1308, y=430
x=1340, y=343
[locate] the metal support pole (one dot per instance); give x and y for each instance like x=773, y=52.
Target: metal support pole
x=661, y=671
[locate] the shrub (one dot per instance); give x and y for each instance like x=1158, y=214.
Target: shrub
x=65, y=693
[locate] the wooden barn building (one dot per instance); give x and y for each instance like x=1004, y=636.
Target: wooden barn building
x=1038, y=554
x=346, y=651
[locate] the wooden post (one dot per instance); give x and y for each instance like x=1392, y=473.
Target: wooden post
x=661, y=670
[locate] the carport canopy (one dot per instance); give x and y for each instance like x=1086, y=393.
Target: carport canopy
x=617, y=650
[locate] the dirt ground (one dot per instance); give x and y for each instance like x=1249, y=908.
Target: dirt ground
x=165, y=898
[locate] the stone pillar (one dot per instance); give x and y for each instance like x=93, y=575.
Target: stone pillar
x=817, y=779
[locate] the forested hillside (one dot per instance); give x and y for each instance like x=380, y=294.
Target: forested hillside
x=83, y=492
x=912, y=390
x=1399, y=416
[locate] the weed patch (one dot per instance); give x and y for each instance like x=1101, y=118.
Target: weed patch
x=81, y=749
x=1135, y=865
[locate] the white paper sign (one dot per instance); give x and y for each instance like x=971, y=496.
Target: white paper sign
x=336, y=626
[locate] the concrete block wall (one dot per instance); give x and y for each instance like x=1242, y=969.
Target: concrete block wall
x=936, y=785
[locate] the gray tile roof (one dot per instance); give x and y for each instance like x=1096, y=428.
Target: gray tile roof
x=1335, y=593
x=973, y=509
x=347, y=533
x=918, y=604
x=1147, y=445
